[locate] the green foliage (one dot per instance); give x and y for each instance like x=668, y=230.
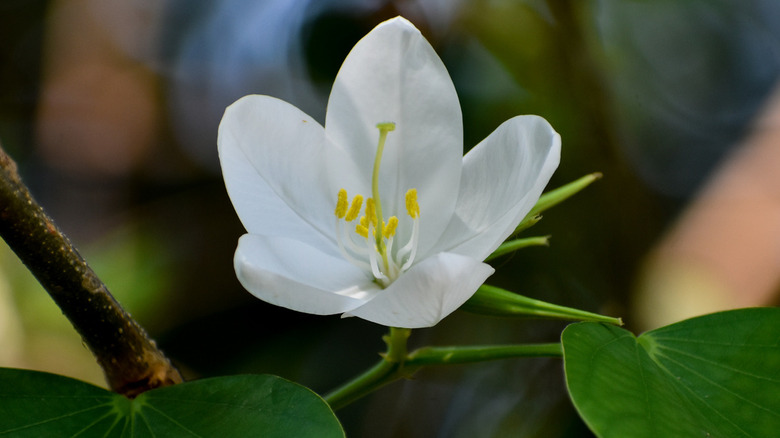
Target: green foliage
x=711, y=376
x=36, y=404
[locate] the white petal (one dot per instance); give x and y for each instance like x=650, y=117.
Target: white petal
x=429, y=291
x=394, y=75
x=272, y=158
x=503, y=177
x=289, y=273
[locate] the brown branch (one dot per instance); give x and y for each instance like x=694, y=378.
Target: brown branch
x=130, y=360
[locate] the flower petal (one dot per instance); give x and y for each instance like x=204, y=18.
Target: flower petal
x=271, y=155
x=503, y=177
x=289, y=273
x=394, y=75
x=428, y=292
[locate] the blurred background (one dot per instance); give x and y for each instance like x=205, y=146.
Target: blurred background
x=111, y=110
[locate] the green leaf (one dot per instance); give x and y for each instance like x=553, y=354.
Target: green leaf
x=36, y=404
x=713, y=376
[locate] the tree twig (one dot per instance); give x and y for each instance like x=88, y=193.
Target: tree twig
x=130, y=360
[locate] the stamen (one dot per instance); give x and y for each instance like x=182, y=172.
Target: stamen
x=344, y=253
x=389, y=229
x=341, y=204
x=411, y=246
x=393, y=269
x=362, y=227
x=411, y=203
x=371, y=211
x=377, y=236
x=372, y=258
x=354, y=210
x=357, y=249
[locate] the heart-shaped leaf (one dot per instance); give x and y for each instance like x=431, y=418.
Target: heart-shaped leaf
x=36, y=404
x=713, y=376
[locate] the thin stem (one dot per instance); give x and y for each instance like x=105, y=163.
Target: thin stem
x=387, y=370
x=372, y=379
x=396, y=344
x=396, y=363
x=130, y=360
x=459, y=355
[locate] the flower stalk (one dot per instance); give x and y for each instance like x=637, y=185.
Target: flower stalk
x=397, y=363
x=387, y=370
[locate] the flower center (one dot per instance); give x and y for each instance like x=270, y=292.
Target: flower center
x=373, y=249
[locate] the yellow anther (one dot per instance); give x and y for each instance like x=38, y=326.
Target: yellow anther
x=411, y=203
x=354, y=209
x=362, y=229
x=371, y=211
x=389, y=230
x=362, y=226
x=341, y=204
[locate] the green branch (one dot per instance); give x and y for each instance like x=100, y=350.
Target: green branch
x=479, y=353
x=389, y=369
x=397, y=364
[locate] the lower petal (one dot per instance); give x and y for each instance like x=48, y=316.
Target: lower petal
x=425, y=294
x=289, y=273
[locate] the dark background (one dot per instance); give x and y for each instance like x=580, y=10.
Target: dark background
x=111, y=110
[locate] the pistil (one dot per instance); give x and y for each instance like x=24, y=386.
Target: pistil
x=384, y=128
x=378, y=234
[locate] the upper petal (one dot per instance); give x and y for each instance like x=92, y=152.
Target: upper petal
x=271, y=155
x=289, y=273
x=394, y=75
x=503, y=177
x=426, y=293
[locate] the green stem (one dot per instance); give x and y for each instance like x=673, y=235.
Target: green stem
x=396, y=344
x=460, y=355
x=396, y=363
x=389, y=369
x=372, y=379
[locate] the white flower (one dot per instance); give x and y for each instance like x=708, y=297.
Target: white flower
x=393, y=133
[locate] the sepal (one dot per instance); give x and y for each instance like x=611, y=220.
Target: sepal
x=491, y=300
x=555, y=197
